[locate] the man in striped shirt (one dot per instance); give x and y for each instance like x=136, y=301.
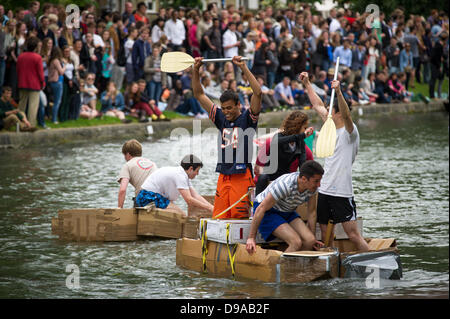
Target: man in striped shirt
x=275, y=207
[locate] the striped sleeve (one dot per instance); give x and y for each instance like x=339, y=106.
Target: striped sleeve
x=212, y=113
x=280, y=189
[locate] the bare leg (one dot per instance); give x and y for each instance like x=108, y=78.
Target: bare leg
x=289, y=235
x=307, y=237
x=353, y=234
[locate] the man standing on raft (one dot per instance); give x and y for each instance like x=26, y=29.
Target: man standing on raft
x=336, y=199
x=237, y=130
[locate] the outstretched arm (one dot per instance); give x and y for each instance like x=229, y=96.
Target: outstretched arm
x=316, y=101
x=255, y=103
x=197, y=89
x=343, y=107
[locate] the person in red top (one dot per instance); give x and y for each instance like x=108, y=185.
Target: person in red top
x=30, y=74
x=140, y=14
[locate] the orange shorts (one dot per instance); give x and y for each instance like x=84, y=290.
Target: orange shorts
x=229, y=189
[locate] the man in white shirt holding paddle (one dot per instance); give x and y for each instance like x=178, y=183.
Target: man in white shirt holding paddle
x=336, y=198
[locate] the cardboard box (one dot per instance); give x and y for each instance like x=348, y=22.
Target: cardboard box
x=101, y=224
x=192, y=210
x=216, y=230
x=267, y=265
x=166, y=223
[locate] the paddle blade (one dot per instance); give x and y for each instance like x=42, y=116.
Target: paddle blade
x=327, y=139
x=173, y=62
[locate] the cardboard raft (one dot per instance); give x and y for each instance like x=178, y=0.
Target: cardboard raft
x=270, y=265
x=122, y=224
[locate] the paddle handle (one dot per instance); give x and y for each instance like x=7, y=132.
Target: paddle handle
x=222, y=60
x=336, y=69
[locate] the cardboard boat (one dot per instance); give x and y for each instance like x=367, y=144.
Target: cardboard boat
x=106, y=224
x=270, y=264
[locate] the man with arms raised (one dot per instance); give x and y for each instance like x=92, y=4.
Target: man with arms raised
x=236, y=137
x=336, y=199
x=275, y=207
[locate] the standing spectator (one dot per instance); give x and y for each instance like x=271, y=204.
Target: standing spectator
x=392, y=52
x=407, y=64
x=345, y=54
x=283, y=92
x=129, y=42
x=415, y=44
x=261, y=61
x=56, y=71
x=141, y=50
x=437, y=56
x=175, y=32
x=213, y=39
x=30, y=18
x=372, y=56
x=157, y=30
x=2, y=57
x=31, y=81
x=44, y=31
x=287, y=57
x=249, y=47
x=107, y=66
x=194, y=44
x=203, y=25
x=156, y=80
x=230, y=42
x=68, y=84
x=141, y=13
x=272, y=67
x=128, y=16
x=358, y=57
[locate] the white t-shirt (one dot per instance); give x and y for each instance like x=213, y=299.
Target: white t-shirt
x=128, y=49
x=175, y=31
x=229, y=38
x=337, y=179
x=167, y=181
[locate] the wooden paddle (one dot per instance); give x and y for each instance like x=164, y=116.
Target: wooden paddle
x=173, y=62
x=327, y=137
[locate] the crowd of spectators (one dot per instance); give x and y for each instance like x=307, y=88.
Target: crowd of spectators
x=114, y=59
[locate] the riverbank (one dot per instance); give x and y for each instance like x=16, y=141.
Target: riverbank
x=156, y=130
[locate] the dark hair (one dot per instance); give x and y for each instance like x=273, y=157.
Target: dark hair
x=311, y=168
x=140, y=4
x=229, y=95
x=32, y=43
x=191, y=161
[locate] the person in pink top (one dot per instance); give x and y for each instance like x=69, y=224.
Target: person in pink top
x=30, y=74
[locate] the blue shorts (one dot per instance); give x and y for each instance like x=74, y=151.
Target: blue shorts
x=146, y=197
x=272, y=219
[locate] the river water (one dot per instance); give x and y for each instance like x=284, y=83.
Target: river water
x=401, y=181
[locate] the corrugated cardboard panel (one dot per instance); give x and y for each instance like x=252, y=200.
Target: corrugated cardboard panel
x=191, y=228
x=160, y=222
x=308, y=268
x=97, y=224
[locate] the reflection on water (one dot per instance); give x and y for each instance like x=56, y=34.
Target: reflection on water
x=401, y=178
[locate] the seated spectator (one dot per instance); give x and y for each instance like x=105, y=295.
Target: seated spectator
x=401, y=84
x=184, y=102
x=368, y=87
x=156, y=114
x=10, y=114
x=358, y=90
x=113, y=103
x=381, y=88
x=213, y=92
x=88, y=93
x=394, y=89
x=283, y=92
x=268, y=96
x=243, y=99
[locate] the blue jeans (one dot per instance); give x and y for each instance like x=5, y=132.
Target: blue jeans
x=270, y=79
x=57, y=89
x=190, y=105
x=154, y=90
x=41, y=113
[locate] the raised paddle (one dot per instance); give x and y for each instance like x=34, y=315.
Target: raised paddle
x=327, y=137
x=172, y=62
